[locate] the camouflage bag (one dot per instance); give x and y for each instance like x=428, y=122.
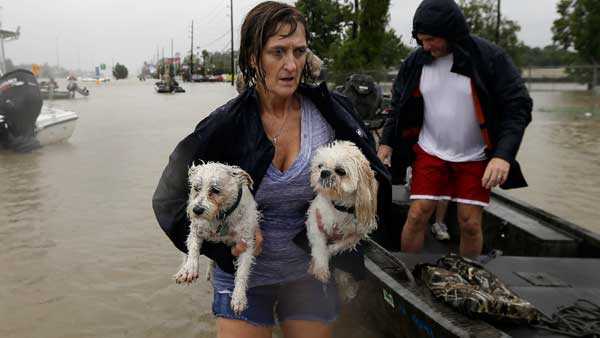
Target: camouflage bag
x=474, y=291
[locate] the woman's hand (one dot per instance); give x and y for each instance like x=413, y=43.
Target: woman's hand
x=384, y=153
x=241, y=246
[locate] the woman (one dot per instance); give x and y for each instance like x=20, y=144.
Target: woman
x=271, y=131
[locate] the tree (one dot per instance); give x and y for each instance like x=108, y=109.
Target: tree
x=549, y=56
x=196, y=60
x=120, y=71
x=374, y=49
x=578, y=26
x=327, y=21
x=394, y=50
x=482, y=19
x=205, y=60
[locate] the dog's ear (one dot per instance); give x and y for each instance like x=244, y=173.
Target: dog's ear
x=192, y=169
x=242, y=176
x=366, y=195
x=313, y=63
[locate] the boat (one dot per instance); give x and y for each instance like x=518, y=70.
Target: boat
x=162, y=87
x=25, y=124
x=50, y=90
x=56, y=94
x=54, y=125
x=546, y=260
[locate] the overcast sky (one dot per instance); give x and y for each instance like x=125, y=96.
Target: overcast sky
x=85, y=33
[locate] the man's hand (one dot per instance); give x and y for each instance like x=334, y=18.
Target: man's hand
x=495, y=173
x=240, y=247
x=384, y=153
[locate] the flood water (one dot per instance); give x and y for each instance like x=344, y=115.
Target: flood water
x=82, y=256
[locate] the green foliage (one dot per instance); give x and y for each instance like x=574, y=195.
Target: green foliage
x=394, y=50
x=120, y=71
x=549, y=56
x=578, y=26
x=197, y=61
x=327, y=22
x=482, y=19
x=375, y=49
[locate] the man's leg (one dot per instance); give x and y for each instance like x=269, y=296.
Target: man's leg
x=471, y=236
x=413, y=233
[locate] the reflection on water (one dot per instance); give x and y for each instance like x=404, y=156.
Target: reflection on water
x=82, y=256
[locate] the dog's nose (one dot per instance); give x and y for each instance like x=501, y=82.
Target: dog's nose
x=325, y=174
x=198, y=210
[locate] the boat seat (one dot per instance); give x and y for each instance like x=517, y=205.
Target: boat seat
x=519, y=233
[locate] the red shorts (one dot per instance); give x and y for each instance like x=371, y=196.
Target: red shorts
x=437, y=179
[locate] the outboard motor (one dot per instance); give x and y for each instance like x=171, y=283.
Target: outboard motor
x=20, y=106
x=367, y=98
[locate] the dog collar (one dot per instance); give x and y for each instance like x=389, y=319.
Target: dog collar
x=349, y=210
x=223, y=214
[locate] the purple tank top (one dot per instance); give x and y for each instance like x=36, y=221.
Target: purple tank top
x=283, y=199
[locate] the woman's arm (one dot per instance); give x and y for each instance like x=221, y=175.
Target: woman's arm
x=171, y=195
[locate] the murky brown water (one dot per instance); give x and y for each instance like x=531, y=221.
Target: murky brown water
x=560, y=156
x=82, y=256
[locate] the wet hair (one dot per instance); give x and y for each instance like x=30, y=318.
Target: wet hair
x=261, y=23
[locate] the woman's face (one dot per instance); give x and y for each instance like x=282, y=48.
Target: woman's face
x=283, y=60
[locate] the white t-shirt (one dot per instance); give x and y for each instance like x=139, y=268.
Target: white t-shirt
x=450, y=128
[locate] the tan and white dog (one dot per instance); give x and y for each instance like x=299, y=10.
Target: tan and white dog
x=345, y=208
x=221, y=208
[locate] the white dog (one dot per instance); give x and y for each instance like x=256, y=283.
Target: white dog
x=345, y=208
x=221, y=208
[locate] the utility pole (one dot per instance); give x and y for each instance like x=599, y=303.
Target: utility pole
x=191, y=54
x=355, y=23
x=232, y=63
x=498, y=24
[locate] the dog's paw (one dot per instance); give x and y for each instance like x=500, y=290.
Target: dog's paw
x=239, y=303
x=347, y=286
x=187, y=274
x=321, y=272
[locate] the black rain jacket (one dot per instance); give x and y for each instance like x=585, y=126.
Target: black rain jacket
x=234, y=134
x=497, y=83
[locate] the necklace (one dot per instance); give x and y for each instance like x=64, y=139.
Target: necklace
x=275, y=138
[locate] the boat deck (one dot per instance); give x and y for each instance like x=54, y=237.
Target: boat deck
x=554, y=282
x=546, y=260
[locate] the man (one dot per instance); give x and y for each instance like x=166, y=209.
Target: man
x=464, y=104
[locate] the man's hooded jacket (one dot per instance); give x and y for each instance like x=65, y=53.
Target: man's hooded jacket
x=500, y=98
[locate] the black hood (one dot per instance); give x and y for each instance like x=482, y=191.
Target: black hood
x=441, y=18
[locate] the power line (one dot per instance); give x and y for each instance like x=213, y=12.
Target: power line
x=217, y=39
x=214, y=15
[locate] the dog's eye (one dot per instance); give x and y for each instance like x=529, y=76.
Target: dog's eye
x=215, y=191
x=197, y=188
x=340, y=171
x=320, y=166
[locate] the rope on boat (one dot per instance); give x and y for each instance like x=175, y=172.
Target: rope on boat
x=582, y=319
